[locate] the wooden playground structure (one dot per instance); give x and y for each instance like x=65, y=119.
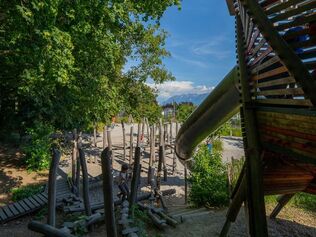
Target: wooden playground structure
x=274, y=88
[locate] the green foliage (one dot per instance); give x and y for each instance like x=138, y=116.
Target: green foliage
x=140, y=220
x=63, y=61
x=184, y=110
x=208, y=179
x=38, y=148
x=26, y=191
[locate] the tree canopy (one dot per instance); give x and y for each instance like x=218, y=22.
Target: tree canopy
x=64, y=61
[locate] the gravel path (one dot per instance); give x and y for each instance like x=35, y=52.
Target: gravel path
x=232, y=147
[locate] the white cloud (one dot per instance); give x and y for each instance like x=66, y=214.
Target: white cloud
x=212, y=47
x=172, y=88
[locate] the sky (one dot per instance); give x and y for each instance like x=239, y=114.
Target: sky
x=202, y=44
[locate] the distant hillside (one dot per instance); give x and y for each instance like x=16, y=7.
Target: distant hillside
x=194, y=98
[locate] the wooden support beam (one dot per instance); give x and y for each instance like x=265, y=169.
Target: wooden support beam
x=108, y=193
x=136, y=177
x=283, y=200
x=124, y=141
x=104, y=137
x=131, y=145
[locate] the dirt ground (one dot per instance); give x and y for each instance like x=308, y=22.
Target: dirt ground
x=290, y=222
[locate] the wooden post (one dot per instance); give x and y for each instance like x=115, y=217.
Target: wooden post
x=108, y=193
x=148, y=132
x=159, y=166
x=47, y=230
x=77, y=184
x=108, y=133
x=131, y=145
x=85, y=182
x=185, y=183
x=165, y=176
x=124, y=141
x=152, y=153
x=51, y=216
x=104, y=137
x=138, y=134
x=136, y=177
x=143, y=130
x=94, y=134
x=74, y=156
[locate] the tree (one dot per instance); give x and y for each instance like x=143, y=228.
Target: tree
x=62, y=61
x=184, y=110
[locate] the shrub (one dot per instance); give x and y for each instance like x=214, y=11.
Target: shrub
x=26, y=191
x=38, y=148
x=208, y=179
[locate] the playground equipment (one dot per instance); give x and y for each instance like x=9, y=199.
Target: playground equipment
x=274, y=88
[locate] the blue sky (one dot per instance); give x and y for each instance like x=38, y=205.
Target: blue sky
x=202, y=44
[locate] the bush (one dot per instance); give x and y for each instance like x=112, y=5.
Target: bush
x=26, y=191
x=208, y=179
x=38, y=148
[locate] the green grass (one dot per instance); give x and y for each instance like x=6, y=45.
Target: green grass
x=300, y=200
x=26, y=191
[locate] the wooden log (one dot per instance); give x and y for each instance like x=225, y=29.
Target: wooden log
x=108, y=192
x=47, y=230
x=77, y=183
x=85, y=178
x=165, y=173
x=131, y=145
x=143, y=130
x=51, y=216
x=136, y=177
x=284, y=199
x=124, y=141
x=104, y=137
x=152, y=153
x=185, y=183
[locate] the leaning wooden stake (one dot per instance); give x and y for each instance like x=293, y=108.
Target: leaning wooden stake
x=138, y=134
x=77, y=183
x=51, y=217
x=152, y=154
x=108, y=133
x=165, y=176
x=136, y=177
x=85, y=179
x=94, y=134
x=159, y=166
x=185, y=183
x=108, y=193
x=124, y=141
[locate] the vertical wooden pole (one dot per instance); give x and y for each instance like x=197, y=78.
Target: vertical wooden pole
x=109, y=138
x=77, y=184
x=148, y=133
x=255, y=192
x=94, y=134
x=131, y=145
x=152, y=154
x=136, y=177
x=138, y=134
x=51, y=217
x=143, y=130
x=159, y=167
x=104, y=137
x=85, y=182
x=108, y=193
x=185, y=183
x=74, y=156
x=165, y=176
x=124, y=141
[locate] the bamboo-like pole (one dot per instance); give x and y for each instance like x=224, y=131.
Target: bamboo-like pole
x=138, y=134
x=51, y=217
x=108, y=193
x=77, y=183
x=136, y=177
x=74, y=156
x=94, y=134
x=152, y=153
x=131, y=145
x=104, y=137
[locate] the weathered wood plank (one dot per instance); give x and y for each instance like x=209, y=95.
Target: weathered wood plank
x=13, y=209
x=270, y=73
x=281, y=92
x=282, y=81
x=7, y=211
x=19, y=207
x=3, y=216
x=300, y=102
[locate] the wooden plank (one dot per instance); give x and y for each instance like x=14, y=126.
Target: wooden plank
x=31, y=199
x=296, y=22
x=253, y=40
x=251, y=31
x=261, y=43
x=282, y=81
x=7, y=211
x=293, y=12
x=266, y=64
x=301, y=102
x=43, y=197
x=25, y=207
x=304, y=44
x=19, y=207
x=281, y=6
x=289, y=116
x=251, y=63
x=288, y=91
x=38, y=200
x=270, y=73
x=27, y=202
x=13, y=209
x=3, y=216
x=308, y=54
